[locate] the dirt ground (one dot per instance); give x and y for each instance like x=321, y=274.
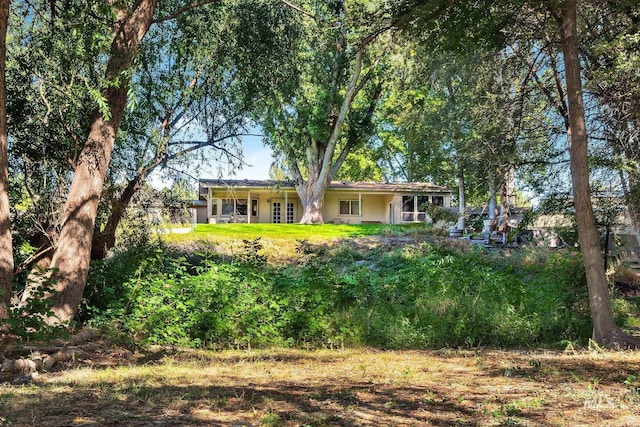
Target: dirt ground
x=111, y=386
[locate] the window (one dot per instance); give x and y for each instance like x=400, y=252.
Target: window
x=254, y=207
x=422, y=204
x=241, y=207
x=349, y=207
x=414, y=208
x=408, y=208
x=437, y=200
x=227, y=207
x=277, y=212
x=234, y=207
x=214, y=207
x=290, y=212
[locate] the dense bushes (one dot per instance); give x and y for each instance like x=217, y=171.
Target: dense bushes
x=412, y=297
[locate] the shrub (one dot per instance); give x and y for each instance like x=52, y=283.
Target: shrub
x=414, y=297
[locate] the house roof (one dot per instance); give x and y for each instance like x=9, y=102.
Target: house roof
x=394, y=187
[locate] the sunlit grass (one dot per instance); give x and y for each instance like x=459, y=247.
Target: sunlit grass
x=277, y=231
x=347, y=387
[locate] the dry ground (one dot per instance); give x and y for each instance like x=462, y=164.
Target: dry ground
x=358, y=387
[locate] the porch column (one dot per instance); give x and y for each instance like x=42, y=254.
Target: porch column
x=285, y=211
x=209, y=207
x=249, y=207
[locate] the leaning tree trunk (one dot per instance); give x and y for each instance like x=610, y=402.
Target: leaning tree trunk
x=6, y=245
x=605, y=331
x=104, y=240
x=73, y=250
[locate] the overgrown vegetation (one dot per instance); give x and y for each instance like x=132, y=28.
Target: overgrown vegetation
x=417, y=295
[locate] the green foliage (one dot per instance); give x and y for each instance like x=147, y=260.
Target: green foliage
x=27, y=320
x=422, y=296
x=251, y=255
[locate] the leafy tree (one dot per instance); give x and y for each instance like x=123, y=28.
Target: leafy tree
x=611, y=59
x=605, y=330
x=564, y=15
x=327, y=112
x=55, y=55
x=201, y=80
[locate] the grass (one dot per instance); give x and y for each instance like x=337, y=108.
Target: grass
x=281, y=240
x=357, y=387
x=313, y=233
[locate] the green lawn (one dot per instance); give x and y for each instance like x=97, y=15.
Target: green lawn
x=289, y=232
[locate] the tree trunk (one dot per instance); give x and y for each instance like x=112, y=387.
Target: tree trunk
x=461, y=196
x=311, y=195
x=105, y=240
x=6, y=244
x=489, y=224
x=605, y=331
x=73, y=250
x=36, y=275
x=320, y=156
x=493, y=199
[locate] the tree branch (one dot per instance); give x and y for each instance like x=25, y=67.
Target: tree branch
x=299, y=9
x=182, y=10
x=344, y=109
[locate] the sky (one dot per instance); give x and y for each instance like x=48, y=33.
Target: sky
x=257, y=158
x=257, y=161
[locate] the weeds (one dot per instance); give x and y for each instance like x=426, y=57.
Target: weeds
x=414, y=296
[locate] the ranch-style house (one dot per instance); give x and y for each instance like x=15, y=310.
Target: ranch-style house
x=265, y=201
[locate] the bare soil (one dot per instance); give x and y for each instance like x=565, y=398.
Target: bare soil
x=108, y=385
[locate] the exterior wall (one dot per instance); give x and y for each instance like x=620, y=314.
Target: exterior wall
x=265, y=200
x=201, y=214
x=374, y=207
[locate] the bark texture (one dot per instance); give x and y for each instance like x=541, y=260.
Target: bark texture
x=311, y=196
x=106, y=239
x=73, y=250
x=605, y=331
x=6, y=244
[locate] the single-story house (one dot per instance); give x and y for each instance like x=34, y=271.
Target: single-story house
x=265, y=201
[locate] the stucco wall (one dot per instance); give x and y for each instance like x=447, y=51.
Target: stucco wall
x=374, y=207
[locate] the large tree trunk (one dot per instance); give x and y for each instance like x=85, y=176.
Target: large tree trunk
x=73, y=250
x=6, y=245
x=605, y=331
x=311, y=195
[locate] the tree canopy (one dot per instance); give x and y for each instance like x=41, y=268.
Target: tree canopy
x=491, y=97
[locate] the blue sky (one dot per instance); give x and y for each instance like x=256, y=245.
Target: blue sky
x=257, y=161
x=257, y=157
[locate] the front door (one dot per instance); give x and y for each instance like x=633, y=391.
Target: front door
x=282, y=212
x=276, y=212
